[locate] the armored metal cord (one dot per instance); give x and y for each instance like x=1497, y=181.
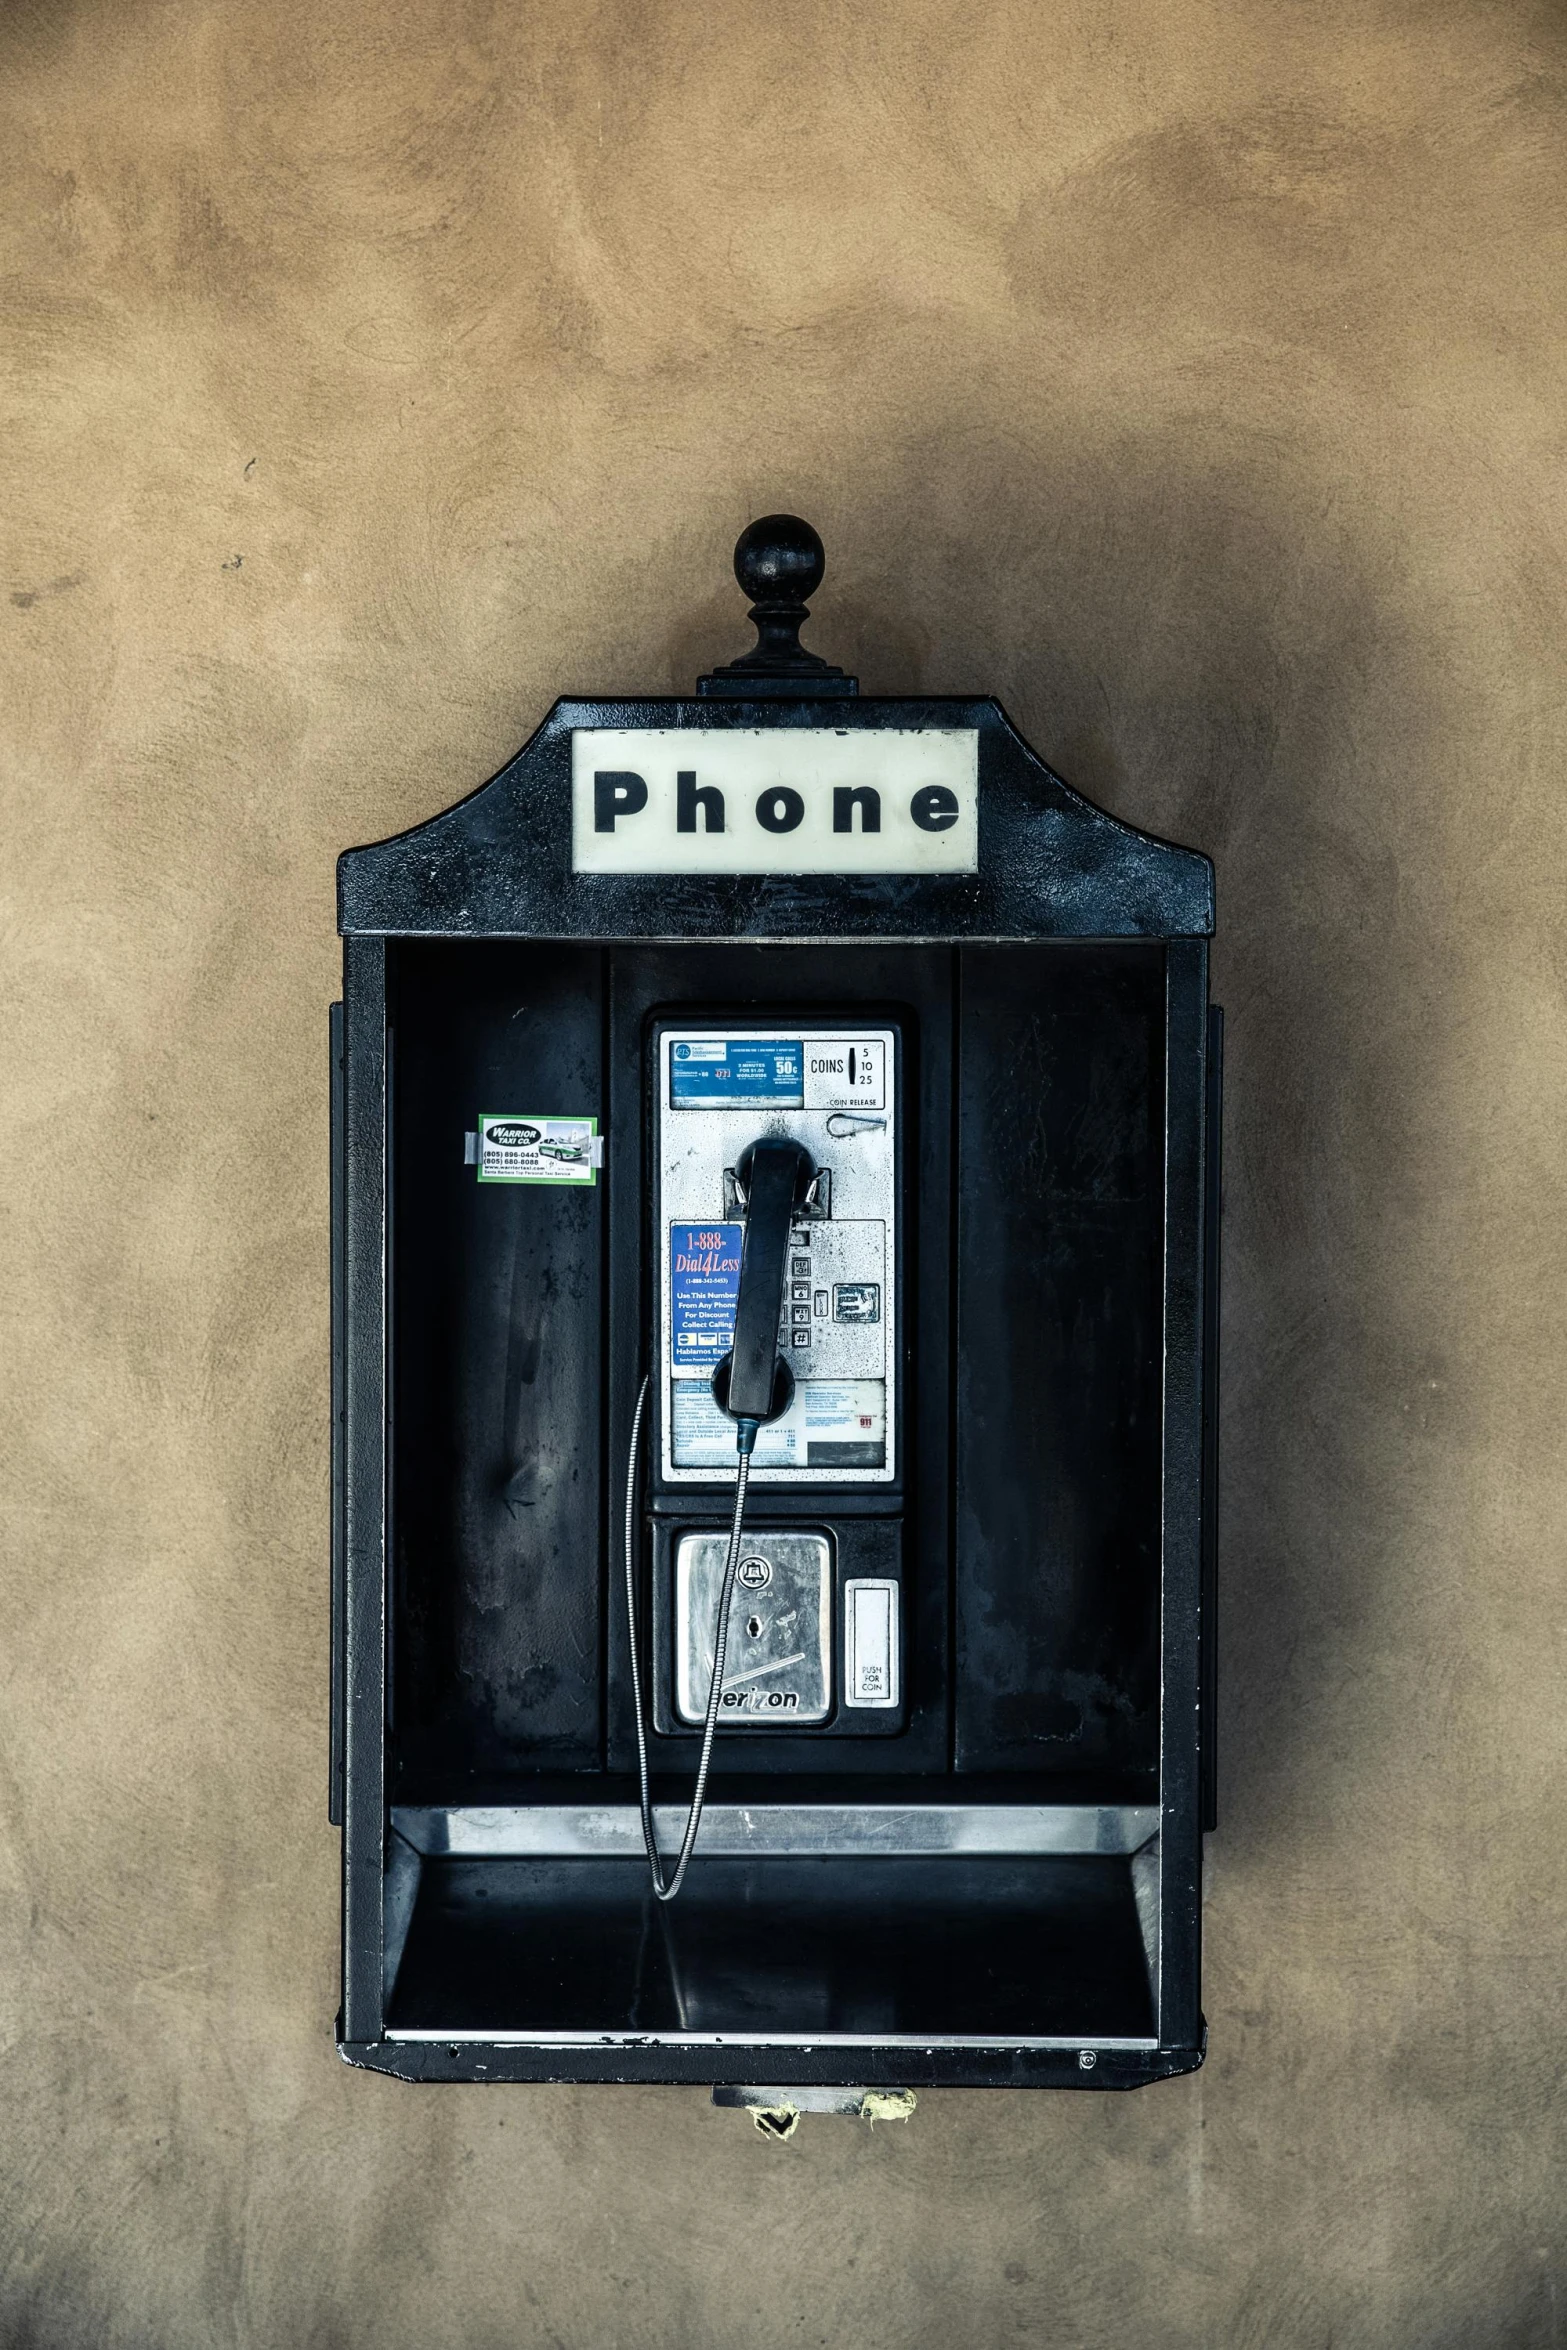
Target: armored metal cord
x=745, y=1438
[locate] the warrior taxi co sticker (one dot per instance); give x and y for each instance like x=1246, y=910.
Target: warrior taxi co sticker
x=539, y=1150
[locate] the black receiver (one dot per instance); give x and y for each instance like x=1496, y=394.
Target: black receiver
x=753, y=1382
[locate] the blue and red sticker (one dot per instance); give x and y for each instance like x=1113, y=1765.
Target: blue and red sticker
x=704, y=1285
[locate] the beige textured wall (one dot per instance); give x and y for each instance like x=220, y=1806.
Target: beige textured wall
x=1190, y=374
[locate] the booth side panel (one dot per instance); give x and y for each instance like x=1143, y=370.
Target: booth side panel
x=1213, y=1224
x=364, y=1443
x=496, y=1372
x=1180, y=1850
x=334, y=1805
x=1059, y=1268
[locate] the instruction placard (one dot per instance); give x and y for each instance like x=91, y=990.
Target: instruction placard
x=712, y=1073
x=704, y=1283
x=516, y=1149
x=830, y=1424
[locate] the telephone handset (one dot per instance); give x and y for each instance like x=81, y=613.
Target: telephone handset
x=773, y=1180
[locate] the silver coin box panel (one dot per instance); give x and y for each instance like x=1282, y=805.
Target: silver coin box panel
x=778, y=1665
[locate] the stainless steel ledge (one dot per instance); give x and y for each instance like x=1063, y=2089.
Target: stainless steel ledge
x=1101, y=2043
x=614, y=1831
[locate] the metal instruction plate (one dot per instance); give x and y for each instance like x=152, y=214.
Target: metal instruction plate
x=778, y=1668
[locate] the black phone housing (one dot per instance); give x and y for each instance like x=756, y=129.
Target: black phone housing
x=1002, y=1885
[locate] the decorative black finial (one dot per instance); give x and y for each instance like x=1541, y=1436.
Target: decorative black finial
x=779, y=562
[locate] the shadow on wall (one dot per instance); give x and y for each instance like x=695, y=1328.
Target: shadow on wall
x=1212, y=649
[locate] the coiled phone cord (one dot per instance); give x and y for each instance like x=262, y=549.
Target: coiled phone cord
x=745, y=1437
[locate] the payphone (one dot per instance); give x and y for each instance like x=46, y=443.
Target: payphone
x=775, y=1359
x=777, y=1350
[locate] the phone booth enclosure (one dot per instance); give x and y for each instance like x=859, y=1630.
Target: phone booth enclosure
x=953, y=1831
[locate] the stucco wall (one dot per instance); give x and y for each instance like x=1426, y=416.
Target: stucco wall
x=1190, y=375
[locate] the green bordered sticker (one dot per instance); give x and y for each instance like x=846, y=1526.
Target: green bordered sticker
x=514, y=1149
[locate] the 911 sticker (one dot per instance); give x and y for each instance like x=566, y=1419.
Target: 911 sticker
x=539, y=1150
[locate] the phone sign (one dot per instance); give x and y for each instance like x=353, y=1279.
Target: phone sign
x=775, y=799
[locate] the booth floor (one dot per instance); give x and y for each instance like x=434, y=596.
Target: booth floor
x=1041, y=1947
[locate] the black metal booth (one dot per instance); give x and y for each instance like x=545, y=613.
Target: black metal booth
x=876, y=954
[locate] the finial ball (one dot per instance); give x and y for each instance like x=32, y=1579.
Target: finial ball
x=779, y=558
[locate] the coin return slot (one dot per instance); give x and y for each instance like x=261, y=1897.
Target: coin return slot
x=871, y=1640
